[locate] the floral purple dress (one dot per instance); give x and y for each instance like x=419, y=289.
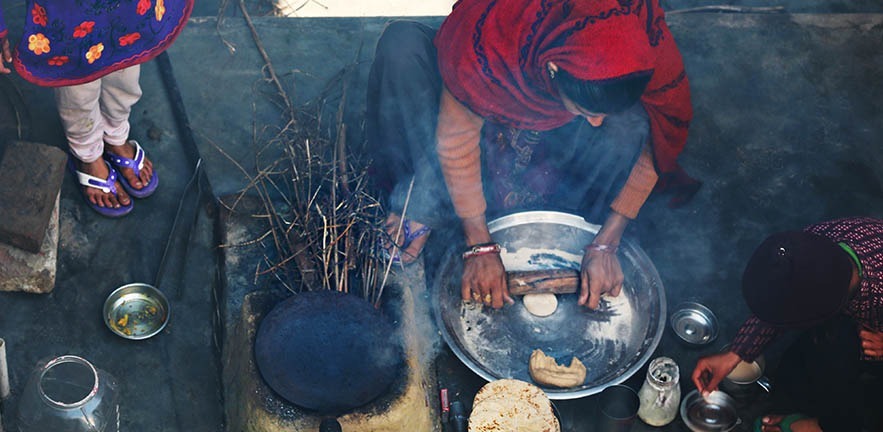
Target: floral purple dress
x=69, y=42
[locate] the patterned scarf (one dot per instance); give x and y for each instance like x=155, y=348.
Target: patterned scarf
x=493, y=56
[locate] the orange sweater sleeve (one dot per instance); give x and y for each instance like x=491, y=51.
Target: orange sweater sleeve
x=638, y=186
x=458, y=134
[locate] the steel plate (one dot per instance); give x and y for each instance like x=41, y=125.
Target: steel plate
x=136, y=311
x=613, y=342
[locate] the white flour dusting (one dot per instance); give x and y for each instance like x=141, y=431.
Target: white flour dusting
x=538, y=259
x=613, y=325
x=619, y=328
x=620, y=325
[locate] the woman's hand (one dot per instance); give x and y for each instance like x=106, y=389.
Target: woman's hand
x=600, y=273
x=711, y=370
x=484, y=277
x=6, y=53
x=872, y=342
x=484, y=281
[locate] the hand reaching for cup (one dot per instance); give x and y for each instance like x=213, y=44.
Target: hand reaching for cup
x=711, y=370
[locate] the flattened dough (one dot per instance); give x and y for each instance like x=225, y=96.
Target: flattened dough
x=541, y=305
x=546, y=371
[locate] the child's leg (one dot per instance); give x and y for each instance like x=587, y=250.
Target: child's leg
x=78, y=107
x=120, y=90
x=82, y=120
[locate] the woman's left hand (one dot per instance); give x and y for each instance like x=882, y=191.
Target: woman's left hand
x=872, y=342
x=600, y=274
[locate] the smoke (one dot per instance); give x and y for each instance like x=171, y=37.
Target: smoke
x=420, y=335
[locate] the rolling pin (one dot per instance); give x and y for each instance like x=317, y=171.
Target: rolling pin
x=558, y=281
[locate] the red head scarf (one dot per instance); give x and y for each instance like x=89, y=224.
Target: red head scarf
x=493, y=57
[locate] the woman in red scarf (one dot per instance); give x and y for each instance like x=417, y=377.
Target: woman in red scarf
x=516, y=104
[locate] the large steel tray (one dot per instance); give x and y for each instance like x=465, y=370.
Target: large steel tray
x=613, y=342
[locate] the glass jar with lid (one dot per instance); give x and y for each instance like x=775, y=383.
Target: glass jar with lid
x=660, y=395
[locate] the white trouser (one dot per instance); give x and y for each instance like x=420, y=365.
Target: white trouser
x=97, y=112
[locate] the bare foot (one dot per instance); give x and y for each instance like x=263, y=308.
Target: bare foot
x=770, y=423
x=128, y=150
x=411, y=250
x=99, y=169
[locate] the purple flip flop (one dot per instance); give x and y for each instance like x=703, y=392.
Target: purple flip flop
x=409, y=237
x=122, y=162
x=107, y=185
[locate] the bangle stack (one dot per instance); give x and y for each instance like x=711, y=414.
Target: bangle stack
x=604, y=248
x=481, y=249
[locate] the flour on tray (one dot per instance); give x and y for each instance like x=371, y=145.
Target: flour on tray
x=619, y=325
x=616, y=324
x=539, y=259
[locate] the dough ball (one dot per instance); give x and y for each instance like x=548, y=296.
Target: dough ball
x=546, y=371
x=540, y=305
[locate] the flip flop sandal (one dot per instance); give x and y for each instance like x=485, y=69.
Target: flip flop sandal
x=122, y=162
x=409, y=235
x=784, y=425
x=107, y=185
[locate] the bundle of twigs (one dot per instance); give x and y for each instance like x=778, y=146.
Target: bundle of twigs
x=324, y=221
x=324, y=224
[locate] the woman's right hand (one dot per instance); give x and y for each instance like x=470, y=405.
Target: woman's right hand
x=711, y=370
x=484, y=277
x=484, y=281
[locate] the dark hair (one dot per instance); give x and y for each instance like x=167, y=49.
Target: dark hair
x=607, y=96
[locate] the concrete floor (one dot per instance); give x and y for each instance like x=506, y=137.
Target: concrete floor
x=786, y=133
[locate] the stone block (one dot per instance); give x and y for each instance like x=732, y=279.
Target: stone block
x=32, y=272
x=30, y=179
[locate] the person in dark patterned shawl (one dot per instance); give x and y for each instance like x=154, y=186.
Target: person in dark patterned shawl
x=524, y=104
x=827, y=281
x=90, y=52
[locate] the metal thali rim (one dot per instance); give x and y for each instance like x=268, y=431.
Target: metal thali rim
x=574, y=221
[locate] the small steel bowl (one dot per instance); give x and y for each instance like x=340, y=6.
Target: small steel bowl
x=715, y=413
x=136, y=311
x=694, y=323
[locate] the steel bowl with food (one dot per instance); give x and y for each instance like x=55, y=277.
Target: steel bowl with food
x=713, y=413
x=136, y=311
x=613, y=342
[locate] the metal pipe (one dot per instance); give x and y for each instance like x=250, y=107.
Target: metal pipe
x=4, y=373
